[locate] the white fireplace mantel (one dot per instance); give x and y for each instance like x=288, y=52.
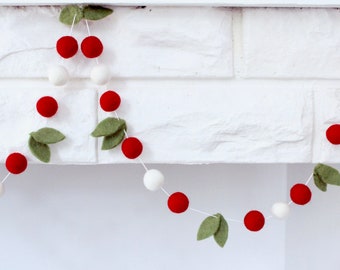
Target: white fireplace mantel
x=216, y=3
x=198, y=84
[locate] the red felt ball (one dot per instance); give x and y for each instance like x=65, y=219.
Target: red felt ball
x=333, y=134
x=91, y=47
x=16, y=163
x=254, y=220
x=67, y=46
x=132, y=147
x=178, y=202
x=47, y=106
x=109, y=101
x=300, y=194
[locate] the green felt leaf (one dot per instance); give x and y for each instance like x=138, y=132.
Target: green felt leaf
x=319, y=183
x=48, y=135
x=208, y=227
x=324, y=174
x=112, y=141
x=96, y=12
x=40, y=150
x=109, y=126
x=67, y=14
x=221, y=235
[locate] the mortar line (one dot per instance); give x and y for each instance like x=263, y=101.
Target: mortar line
x=313, y=139
x=237, y=43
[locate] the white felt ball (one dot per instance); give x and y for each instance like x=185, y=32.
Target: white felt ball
x=280, y=210
x=100, y=74
x=58, y=75
x=153, y=180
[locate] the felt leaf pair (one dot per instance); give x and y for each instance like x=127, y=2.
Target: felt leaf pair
x=74, y=14
x=215, y=226
x=39, y=141
x=113, y=130
x=324, y=175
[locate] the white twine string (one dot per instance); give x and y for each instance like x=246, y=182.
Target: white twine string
x=143, y=164
x=202, y=212
x=211, y=215
x=88, y=28
x=234, y=220
x=4, y=180
x=126, y=134
x=62, y=59
x=73, y=21
x=165, y=192
x=309, y=179
x=89, y=34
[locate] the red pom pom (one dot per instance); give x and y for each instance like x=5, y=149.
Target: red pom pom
x=132, y=147
x=16, y=163
x=109, y=101
x=178, y=202
x=67, y=46
x=91, y=47
x=254, y=220
x=47, y=106
x=333, y=134
x=300, y=194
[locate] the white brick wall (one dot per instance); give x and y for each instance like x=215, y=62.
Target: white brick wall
x=291, y=43
x=198, y=85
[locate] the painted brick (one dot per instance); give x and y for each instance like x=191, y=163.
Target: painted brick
x=291, y=43
x=211, y=121
x=327, y=113
x=76, y=115
x=186, y=121
x=152, y=42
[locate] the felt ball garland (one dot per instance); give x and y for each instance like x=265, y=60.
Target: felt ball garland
x=58, y=75
x=132, y=147
x=280, y=210
x=67, y=46
x=91, y=47
x=100, y=74
x=109, y=101
x=113, y=131
x=178, y=202
x=254, y=220
x=39, y=140
x=16, y=163
x=333, y=134
x=47, y=106
x=300, y=194
x=153, y=180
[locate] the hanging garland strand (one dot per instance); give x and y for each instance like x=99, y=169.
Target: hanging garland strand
x=113, y=130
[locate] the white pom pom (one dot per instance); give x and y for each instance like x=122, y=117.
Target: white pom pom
x=58, y=75
x=100, y=74
x=280, y=210
x=153, y=180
